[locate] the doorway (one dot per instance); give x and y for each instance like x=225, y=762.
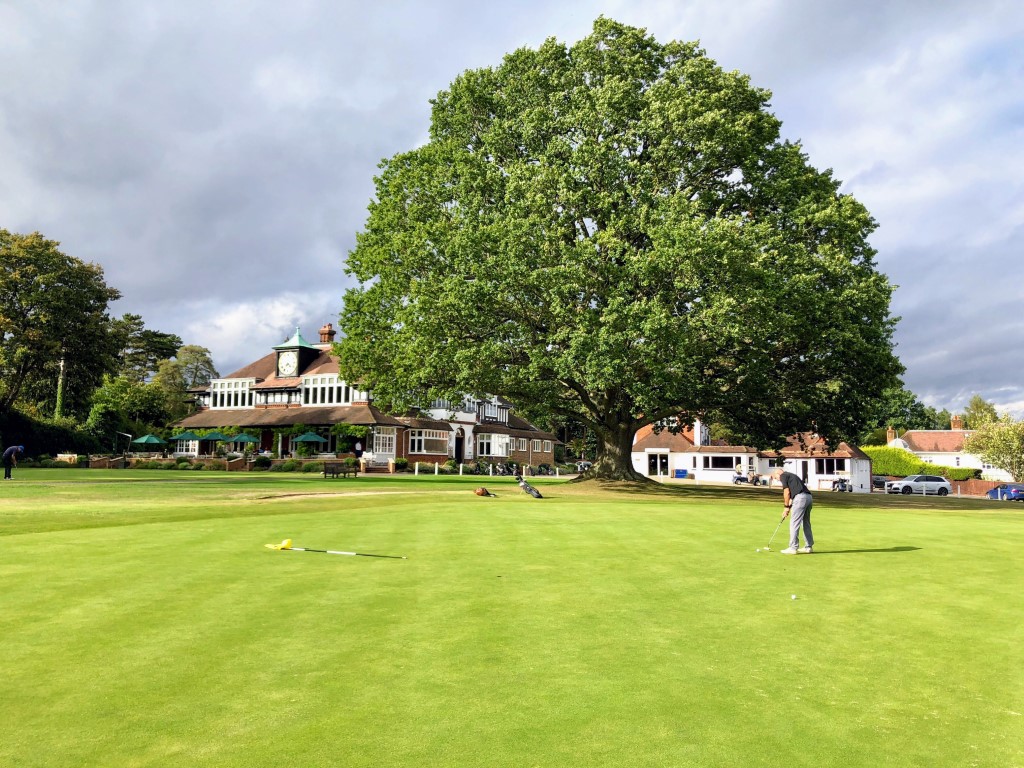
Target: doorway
x=657, y=464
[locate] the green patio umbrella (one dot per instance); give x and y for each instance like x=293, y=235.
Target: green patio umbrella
x=149, y=440
x=243, y=439
x=309, y=437
x=186, y=436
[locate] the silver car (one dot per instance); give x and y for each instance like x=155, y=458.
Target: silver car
x=920, y=484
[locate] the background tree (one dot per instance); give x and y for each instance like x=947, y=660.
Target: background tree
x=137, y=402
x=140, y=349
x=615, y=233
x=192, y=366
x=52, y=306
x=979, y=412
x=999, y=442
x=901, y=409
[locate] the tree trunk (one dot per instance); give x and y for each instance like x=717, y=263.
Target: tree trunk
x=614, y=455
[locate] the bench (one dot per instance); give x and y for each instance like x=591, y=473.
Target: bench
x=336, y=468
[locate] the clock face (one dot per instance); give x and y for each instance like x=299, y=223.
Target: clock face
x=287, y=362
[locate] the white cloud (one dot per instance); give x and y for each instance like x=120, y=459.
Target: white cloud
x=217, y=159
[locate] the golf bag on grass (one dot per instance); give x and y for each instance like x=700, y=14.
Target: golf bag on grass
x=527, y=488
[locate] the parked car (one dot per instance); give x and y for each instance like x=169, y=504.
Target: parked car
x=920, y=484
x=1007, y=492
x=583, y=466
x=879, y=481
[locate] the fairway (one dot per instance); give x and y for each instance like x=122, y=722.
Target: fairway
x=145, y=623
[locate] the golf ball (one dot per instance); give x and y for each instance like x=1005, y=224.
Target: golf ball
x=759, y=550
x=792, y=597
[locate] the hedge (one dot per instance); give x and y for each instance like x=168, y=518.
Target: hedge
x=900, y=463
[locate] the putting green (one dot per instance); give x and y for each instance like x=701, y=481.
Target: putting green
x=145, y=623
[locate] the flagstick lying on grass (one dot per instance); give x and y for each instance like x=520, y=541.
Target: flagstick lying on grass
x=286, y=545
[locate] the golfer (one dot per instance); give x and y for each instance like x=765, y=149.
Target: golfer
x=11, y=459
x=798, y=502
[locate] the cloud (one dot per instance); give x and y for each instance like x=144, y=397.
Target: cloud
x=217, y=159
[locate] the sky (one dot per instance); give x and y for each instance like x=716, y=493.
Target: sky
x=216, y=157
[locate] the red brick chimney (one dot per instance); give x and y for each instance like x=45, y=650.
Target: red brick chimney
x=327, y=334
x=956, y=423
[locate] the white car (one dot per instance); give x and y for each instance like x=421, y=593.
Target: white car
x=920, y=484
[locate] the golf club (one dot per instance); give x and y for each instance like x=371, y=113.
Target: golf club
x=769, y=547
x=286, y=546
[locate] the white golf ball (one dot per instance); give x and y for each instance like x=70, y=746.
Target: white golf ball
x=759, y=550
x=792, y=597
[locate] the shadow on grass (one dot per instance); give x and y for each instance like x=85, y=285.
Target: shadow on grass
x=864, y=551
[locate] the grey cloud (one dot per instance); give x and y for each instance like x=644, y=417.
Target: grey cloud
x=218, y=157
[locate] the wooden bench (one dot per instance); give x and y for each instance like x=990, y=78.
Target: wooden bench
x=336, y=468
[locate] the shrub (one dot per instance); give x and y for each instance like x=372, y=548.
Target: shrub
x=962, y=473
x=216, y=465
x=291, y=465
x=352, y=462
x=313, y=466
x=897, y=462
x=401, y=465
x=893, y=461
x=261, y=462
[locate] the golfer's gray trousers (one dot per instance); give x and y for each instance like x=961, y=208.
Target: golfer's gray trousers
x=800, y=517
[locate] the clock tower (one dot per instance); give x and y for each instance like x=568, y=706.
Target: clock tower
x=294, y=355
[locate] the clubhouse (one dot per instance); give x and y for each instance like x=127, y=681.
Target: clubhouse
x=298, y=384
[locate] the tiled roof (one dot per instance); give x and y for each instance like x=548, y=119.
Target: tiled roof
x=646, y=438
x=275, y=382
x=415, y=422
x=325, y=363
x=313, y=416
x=265, y=369
x=721, y=449
x=935, y=440
x=529, y=431
x=808, y=446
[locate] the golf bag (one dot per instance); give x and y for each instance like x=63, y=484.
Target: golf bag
x=528, y=488
x=482, y=492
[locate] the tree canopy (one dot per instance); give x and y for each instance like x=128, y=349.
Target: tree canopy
x=979, y=412
x=901, y=409
x=52, y=306
x=614, y=233
x=142, y=349
x=1000, y=442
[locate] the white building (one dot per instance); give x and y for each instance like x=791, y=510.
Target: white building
x=945, y=448
x=683, y=455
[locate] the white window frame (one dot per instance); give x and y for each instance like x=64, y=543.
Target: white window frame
x=432, y=441
x=384, y=440
x=491, y=444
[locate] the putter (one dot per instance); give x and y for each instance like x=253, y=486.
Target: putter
x=286, y=546
x=769, y=547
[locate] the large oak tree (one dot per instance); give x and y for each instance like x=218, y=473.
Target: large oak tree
x=614, y=233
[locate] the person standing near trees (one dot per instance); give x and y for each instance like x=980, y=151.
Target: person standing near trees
x=798, y=502
x=11, y=459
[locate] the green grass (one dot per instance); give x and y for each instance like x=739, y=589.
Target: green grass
x=143, y=623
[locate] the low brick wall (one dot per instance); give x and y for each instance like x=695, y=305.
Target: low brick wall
x=106, y=462
x=973, y=487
